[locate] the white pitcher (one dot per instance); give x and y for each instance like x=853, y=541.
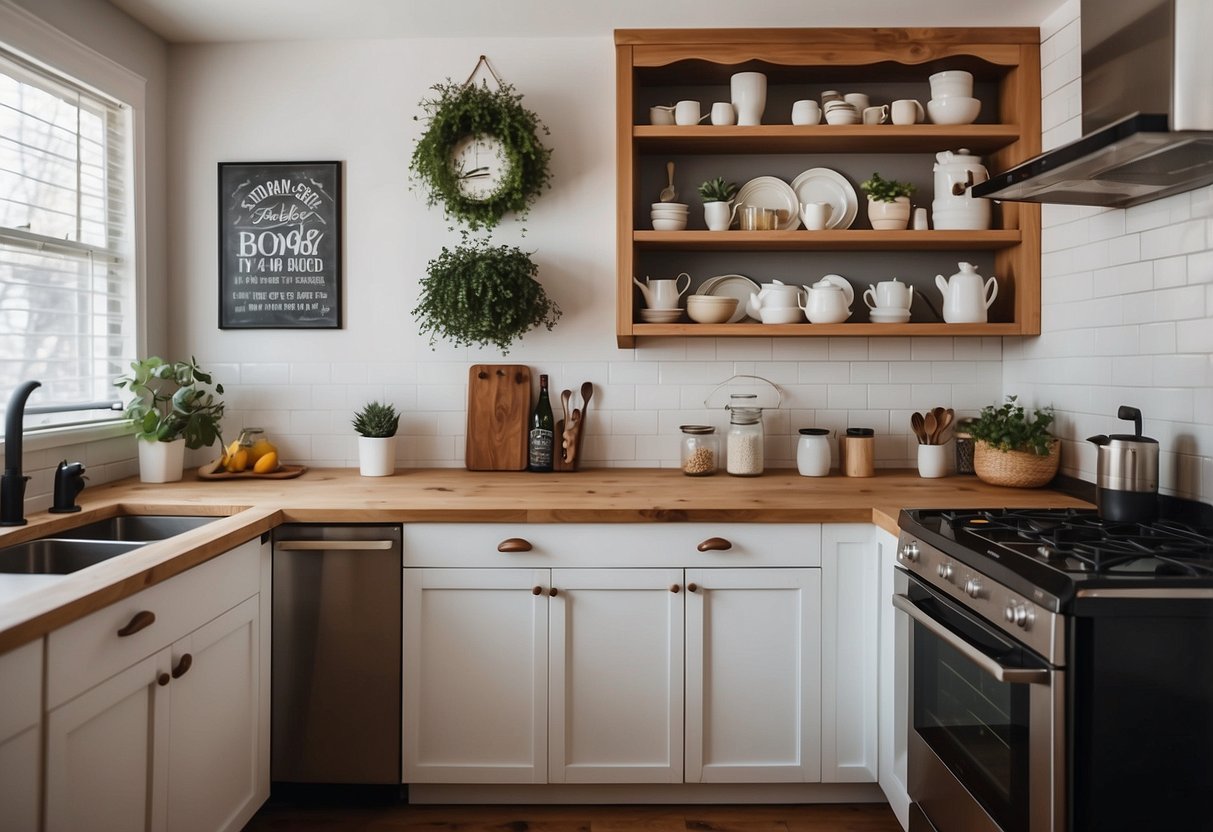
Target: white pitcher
x=663, y=294
x=965, y=298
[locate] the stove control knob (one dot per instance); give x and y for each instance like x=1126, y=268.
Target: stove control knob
x=909, y=552
x=1018, y=614
x=973, y=588
x=945, y=571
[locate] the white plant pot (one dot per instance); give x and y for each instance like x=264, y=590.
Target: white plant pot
x=376, y=456
x=161, y=461
x=889, y=216
x=718, y=216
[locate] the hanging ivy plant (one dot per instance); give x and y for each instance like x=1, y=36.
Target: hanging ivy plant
x=480, y=294
x=475, y=189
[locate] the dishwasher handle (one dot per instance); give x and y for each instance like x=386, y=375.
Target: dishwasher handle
x=332, y=545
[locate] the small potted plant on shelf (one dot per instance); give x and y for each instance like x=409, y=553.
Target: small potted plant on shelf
x=888, y=202
x=1011, y=449
x=172, y=409
x=717, y=195
x=376, y=425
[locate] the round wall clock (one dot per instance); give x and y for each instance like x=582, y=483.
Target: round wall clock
x=480, y=165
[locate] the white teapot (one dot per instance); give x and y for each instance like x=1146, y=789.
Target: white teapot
x=954, y=206
x=965, y=298
x=774, y=295
x=828, y=301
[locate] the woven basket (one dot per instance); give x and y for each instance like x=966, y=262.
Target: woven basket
x=1015, y=469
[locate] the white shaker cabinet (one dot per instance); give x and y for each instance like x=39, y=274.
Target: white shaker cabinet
x=894, y=684
x=20, y=740
x=753, y=679
x=158, y=705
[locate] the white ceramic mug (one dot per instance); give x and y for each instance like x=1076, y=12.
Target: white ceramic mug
x=842, y=115
x=748, y=91
x=920, y=219
x=876, y=115
x=952, y=83
x=907, y=111
x=806, y=112
x=858, y=100
x=661, y=115
x=686, y=112
x=815, y=215
x=723, y=113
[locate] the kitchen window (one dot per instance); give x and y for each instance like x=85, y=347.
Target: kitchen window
x=67, y=271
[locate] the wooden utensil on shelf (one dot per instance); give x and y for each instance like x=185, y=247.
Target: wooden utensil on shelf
x=930, y=425
x=944, y=420
x=571, y=429
x=917, y=425
x=668, y=194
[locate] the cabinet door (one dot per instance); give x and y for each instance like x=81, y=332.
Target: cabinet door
x=475, y=675
x=616, y=685
x=894, y=684
x=20, y=737
x=752, y=676
x=850, y=621
x=106, y=754
x=215, y=734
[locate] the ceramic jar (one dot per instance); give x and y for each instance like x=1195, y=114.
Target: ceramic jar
x=813, y=452
x=954, y=208
x=700, y=450
x=744, y=454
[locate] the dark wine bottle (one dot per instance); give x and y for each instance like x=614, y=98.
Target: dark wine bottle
x=543, y=431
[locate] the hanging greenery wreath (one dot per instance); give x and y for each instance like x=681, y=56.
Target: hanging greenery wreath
x=466, y=118
x=481, y=294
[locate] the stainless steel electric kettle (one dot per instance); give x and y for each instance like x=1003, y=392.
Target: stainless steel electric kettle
x=1126, y=478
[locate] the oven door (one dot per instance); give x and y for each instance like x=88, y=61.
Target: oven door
x=987, y=743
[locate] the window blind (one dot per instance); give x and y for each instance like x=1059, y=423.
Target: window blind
x=67, y=310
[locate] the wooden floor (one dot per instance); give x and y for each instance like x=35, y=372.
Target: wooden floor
x=869, y=817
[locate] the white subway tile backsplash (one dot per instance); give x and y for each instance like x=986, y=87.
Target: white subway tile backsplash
x=1178, y=238
x=1184, y=302
x=932, y=349
x=847, y=397
x=870, y=372
x=1064, y=40
x=824, y=372
x=1126, y=249
x=800, y=349
x=1156, y=338
x=1200, y=266
x=743, y=349
x=1194, y=335
x=1171, y=271
x=634, y=372
x=848, y=349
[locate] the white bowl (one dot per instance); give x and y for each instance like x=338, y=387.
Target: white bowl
x=954, y=110
x=667, y=215
x=670, y=206
x=669, y=225
x=889, y=316
x=951, y=83
x=842, y=117
x=708, y=309
x=782, y=315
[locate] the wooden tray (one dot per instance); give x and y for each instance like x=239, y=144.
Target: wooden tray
x=284, y=472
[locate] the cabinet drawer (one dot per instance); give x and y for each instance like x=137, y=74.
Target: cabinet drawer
x=612, y=544
x=90, y=650
x=20, y=689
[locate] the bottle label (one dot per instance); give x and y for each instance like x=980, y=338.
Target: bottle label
x=541, y=448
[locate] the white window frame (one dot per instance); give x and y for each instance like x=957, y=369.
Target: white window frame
x=38, y=42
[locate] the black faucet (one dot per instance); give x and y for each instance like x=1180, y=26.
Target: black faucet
x=12, y=484
x=69, y=481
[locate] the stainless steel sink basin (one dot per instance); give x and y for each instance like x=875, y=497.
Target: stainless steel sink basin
x=137, y=527
x=57, y=556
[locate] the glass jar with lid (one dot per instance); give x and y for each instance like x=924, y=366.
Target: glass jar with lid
x=700, y=450
x=744, y=451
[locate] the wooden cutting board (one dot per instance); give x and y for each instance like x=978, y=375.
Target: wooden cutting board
x=499, y=411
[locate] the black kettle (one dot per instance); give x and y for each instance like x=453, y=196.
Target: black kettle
x=1126, y=478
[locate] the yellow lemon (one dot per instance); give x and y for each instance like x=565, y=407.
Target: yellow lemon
x=237, y=461
x=268, y=463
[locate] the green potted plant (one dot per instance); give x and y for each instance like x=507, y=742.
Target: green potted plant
x=1009, y=448
x=717, y=196
x=172, y=408
x=376, y=424
x=481, y=294
x=888, y=202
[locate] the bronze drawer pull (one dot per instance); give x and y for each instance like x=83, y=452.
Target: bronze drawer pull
x=553, y=592
x=514, y=544
x=692, y=587
x=183, y=666
x=162, y=679
x=674, y=588
x=538, y=590
x=141, y=620
x=715, y=544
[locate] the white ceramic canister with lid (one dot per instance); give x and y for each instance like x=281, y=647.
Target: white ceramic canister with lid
x=813, y=452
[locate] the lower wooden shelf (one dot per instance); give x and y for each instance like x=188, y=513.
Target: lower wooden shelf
x=867, y=330
x=847, y=240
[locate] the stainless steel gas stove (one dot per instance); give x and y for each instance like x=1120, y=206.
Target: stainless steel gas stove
x=1061, y=670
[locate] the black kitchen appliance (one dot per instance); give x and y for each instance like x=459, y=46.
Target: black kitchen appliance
x=1126, y=474
x=1061, y=670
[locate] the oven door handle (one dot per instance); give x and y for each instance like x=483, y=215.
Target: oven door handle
x=1010, y=675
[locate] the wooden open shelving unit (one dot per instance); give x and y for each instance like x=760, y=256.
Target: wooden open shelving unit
x=651, y=62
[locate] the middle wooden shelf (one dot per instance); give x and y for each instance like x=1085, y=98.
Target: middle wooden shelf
x=847, y=240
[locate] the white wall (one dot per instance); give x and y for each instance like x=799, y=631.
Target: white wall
x=356, y=101
x=1127, y=312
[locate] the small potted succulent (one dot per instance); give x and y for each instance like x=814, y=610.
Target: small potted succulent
x=888, y=202
x=717, y=196
x=173, y=408
x=376, y=426
x=1011, y=449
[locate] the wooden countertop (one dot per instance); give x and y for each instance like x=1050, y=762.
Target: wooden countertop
x=250, y=507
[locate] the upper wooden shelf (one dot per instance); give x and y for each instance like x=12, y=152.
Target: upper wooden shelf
x=849, y=240
x=824, y=138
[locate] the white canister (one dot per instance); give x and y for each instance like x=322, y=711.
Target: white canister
x=813, y=452
x=749, y=96
x=933, y=461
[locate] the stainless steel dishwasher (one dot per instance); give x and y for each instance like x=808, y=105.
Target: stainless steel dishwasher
x=336, y=654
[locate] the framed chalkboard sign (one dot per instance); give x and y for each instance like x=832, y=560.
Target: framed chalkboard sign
x=279, y=245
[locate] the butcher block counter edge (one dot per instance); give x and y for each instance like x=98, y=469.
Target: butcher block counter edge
x=250, y=508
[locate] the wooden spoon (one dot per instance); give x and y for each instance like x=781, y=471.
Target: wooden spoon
x=945, y=422
x=587, y=392
x=564, y=404
x=930, y=425
x=916, y=424
x=668, y=194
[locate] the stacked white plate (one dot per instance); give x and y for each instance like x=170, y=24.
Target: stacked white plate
x=669, y=216
x=660, y=316
x=889, y=316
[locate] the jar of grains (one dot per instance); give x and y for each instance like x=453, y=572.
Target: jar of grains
x=700, y=449
x=745, y=438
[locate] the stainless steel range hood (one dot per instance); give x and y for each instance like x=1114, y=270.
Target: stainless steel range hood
x=1147, y=119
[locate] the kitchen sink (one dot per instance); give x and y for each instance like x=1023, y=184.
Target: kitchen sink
x=59, y=556
x=136, y=527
